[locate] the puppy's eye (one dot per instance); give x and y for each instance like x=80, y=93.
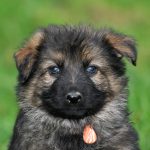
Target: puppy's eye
x=91, y=70
x=54, y=70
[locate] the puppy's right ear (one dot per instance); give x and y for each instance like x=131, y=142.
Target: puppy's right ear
x=26, y=56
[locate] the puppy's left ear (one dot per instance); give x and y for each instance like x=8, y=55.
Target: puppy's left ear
x=122, y=45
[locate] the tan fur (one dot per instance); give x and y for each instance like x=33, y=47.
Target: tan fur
x=90, y=53
x=57, y=57
x=37, y=84
x=29, y=50
x=120, y=43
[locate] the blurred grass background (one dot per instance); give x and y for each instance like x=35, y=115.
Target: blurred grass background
x=19, y=18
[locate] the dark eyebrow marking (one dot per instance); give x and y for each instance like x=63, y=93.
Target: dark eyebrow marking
x=57, y=57
x=89, y=54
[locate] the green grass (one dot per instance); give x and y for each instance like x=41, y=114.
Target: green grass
x=20, y=18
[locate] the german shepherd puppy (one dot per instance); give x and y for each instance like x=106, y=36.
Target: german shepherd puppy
x=72, y=91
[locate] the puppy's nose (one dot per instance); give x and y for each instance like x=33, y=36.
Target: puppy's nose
x=74, y=97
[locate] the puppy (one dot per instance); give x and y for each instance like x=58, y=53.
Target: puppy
x=72, y=91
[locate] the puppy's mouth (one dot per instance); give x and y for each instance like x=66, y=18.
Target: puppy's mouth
x=70, y=113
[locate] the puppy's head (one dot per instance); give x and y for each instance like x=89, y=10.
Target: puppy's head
x=72, y=72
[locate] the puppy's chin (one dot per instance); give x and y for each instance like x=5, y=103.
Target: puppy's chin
x=70, y=113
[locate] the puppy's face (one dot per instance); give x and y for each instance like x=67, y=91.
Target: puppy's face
x=72, y=72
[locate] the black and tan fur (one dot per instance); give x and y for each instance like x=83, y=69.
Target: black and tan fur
x=45, y=121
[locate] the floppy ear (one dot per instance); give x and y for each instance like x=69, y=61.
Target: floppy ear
x=26, y=56
x=122, y=45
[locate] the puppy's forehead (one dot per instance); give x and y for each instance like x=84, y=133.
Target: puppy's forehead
x=87, y=54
